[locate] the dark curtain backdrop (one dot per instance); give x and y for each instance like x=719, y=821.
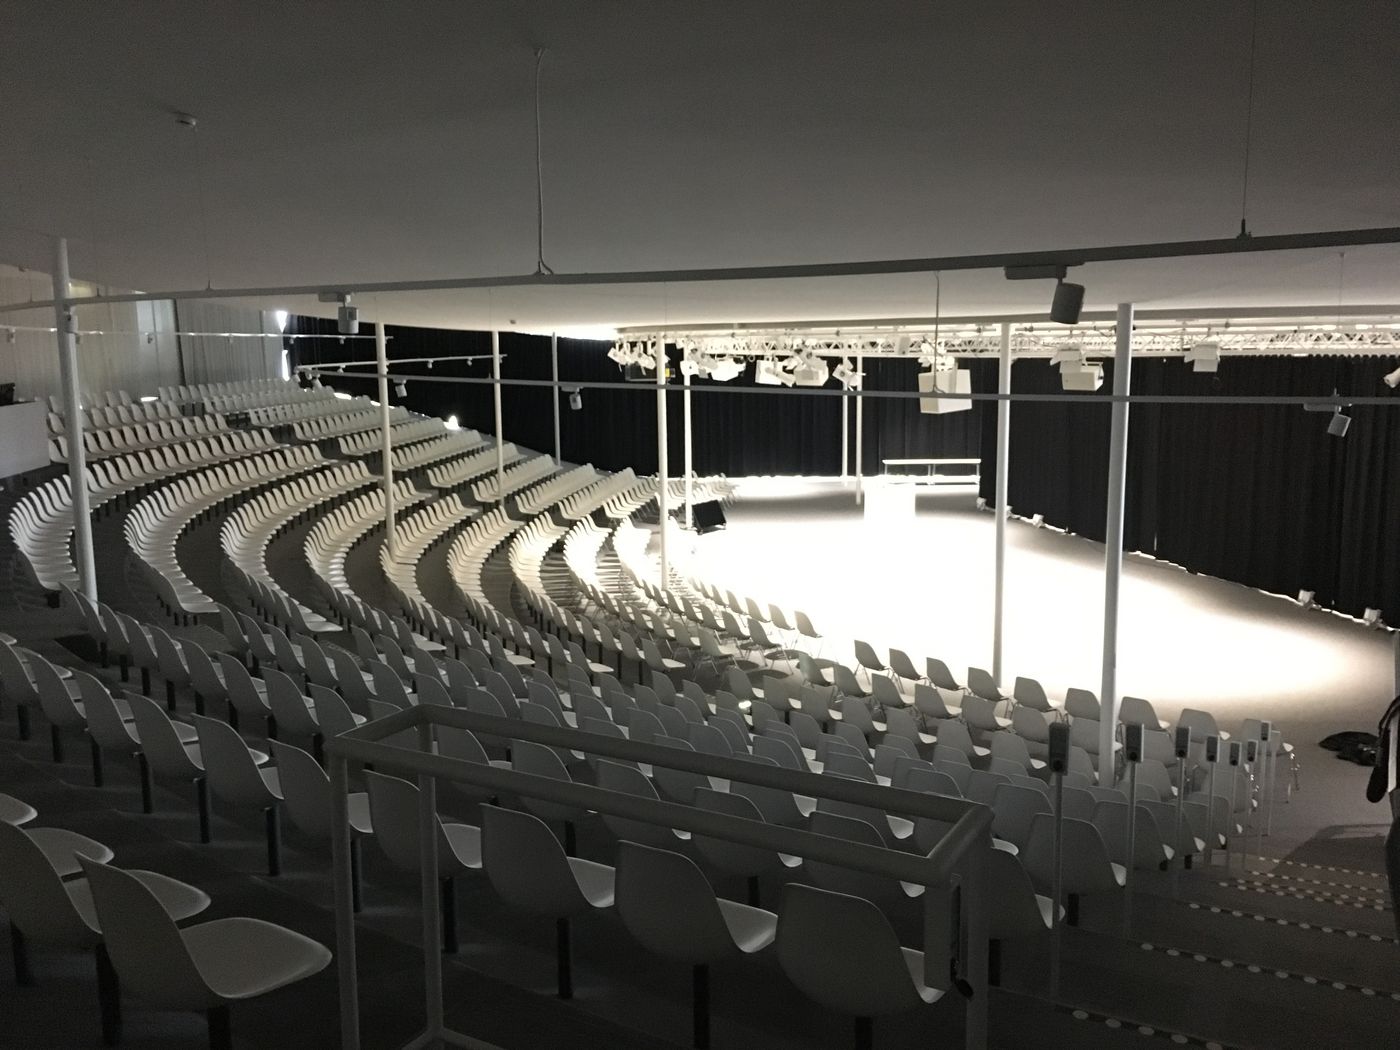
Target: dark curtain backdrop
x=1258, y=494
x=1261, y=495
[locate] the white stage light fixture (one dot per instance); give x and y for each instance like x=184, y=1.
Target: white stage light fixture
x=846, y=374
x=1081, y=375
x=451, y=423
x=767, y=373
x=1391, y=379
x=1338, y=424
x=689, y=366
x=950, y=381
x=1205, y=356
x=1372, y=618
x=575, y=400
x=725, y=368
x=347, y=318
x=1037, y=520
x=811, y=371
x=401, y=388
x=981, y=502
x=1307, y=599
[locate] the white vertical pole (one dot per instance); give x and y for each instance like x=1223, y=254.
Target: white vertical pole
x=689, y=457
x=500, y=432
x=1113, y=539
x=66, y=323
x=860, y=432
x=1003, y=462
x=554, y=358
x=386, y=445
x=663, y=480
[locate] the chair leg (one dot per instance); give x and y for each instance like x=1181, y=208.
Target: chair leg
x=220, y=1031
x=570, y=839
x=198, y=704
x=994, y=963
x=274, y=840
x=97, y=777
x=356, y=878
x=124, y=666
x=232, y=716
x=1072, y=910
x=318, y=749
x=22, y=717
x=700, y=1005
x=564, y=958
x=109, y=1000
x=56, y=743
x=449, y=916
x=753, y=891
x=865, y=1033
x=169, y=695
x=146, y=680
x=144, y=769
x=24, y=976
x=201, y=801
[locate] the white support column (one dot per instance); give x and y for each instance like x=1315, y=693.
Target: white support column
x=500, y=432
x=689, y=457
x=1113, y=539
x=663, y=479
x=66, y=324
x=860, y=432
x=386, y=444
x=554, y=360
x=1003, y=462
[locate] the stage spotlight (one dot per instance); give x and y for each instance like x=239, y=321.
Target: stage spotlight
x=1205, y=357
x=1076, y=372
x=846, y=374
x=725, y=368
x=1037, y=520
x=767, y=372
x=811, y=371
x=1372, y=618
x=1307, y=599
x=1390, y=379
x=401, y=388
x=1338, y=424
x=575, y=400
x=1068, y=301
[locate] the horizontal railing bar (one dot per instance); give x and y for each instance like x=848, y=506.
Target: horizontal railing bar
x=814, y=785
x=934, y=870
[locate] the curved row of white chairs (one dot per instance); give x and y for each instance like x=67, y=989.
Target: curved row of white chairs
x=492, y=489
x=402, y=433
x=347, y=417
x=424, y=453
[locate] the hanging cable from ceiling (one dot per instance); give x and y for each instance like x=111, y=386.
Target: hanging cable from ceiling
x=540, y=265
x=1249, y=118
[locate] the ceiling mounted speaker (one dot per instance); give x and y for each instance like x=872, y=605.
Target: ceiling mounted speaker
x=1068, y=301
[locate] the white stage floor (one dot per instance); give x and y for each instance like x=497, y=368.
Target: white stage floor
x=926, y=586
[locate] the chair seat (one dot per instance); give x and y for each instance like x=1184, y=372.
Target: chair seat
x=15, y=811
x=179, y=899
x=62, y=847
x=240, y=958
x=359, y=812
x=465, y=840
x=753, y=929
x=597, y=882
x=915, y=961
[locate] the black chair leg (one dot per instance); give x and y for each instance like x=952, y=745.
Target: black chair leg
x=865, y=1033
x=201, y=801
x=356, y=877
x=1072, y=910
x=449, y=916
x=570, y=839
x=198, y=704
x=700, y=1005
x=220, y=1031
x=564, y=958
x=56, y=743
x=24, y=976
x=169, y=695
x=108, y=998
x=144, y=768
x=274, y=840
x=22, y=716
x=753, y=891
x=232, y=716
x=146, y=680
x=994, y=963
x=97, y=777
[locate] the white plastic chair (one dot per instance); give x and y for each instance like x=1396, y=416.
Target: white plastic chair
x=234, y=776
x=208, y=966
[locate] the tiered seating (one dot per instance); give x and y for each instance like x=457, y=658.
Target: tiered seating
x=354, y=416
x=534, y=500
x=414, y=535
x=153, y=527
x=488, y=490
x=246, y=534
x=422, y=453
x=247, y=388
x=458, y=473
x=362, y=443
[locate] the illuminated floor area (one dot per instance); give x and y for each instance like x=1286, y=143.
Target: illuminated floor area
x=925, y=585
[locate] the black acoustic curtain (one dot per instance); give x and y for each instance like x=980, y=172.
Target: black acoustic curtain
x=1258, y=494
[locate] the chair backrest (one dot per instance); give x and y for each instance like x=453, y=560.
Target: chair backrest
x=542, y=761
x=393, y=808
x=34, y=896
x=306, y=790
x=1013, y=810
x=526, y=864
x=104, y=721
x=145, y=947
x=666, y=902
x=1019, y=910
x=1080, y=703
x=162, y=746
x=14, y=678
x=242, y=694
x=57, y=705
x=233, y=774
x=1086, y=867
x=629, y=780
x=842, y=952
x=732, y=857
x=288, y=704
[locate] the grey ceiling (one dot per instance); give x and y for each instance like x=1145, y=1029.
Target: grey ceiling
x=369, y=141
